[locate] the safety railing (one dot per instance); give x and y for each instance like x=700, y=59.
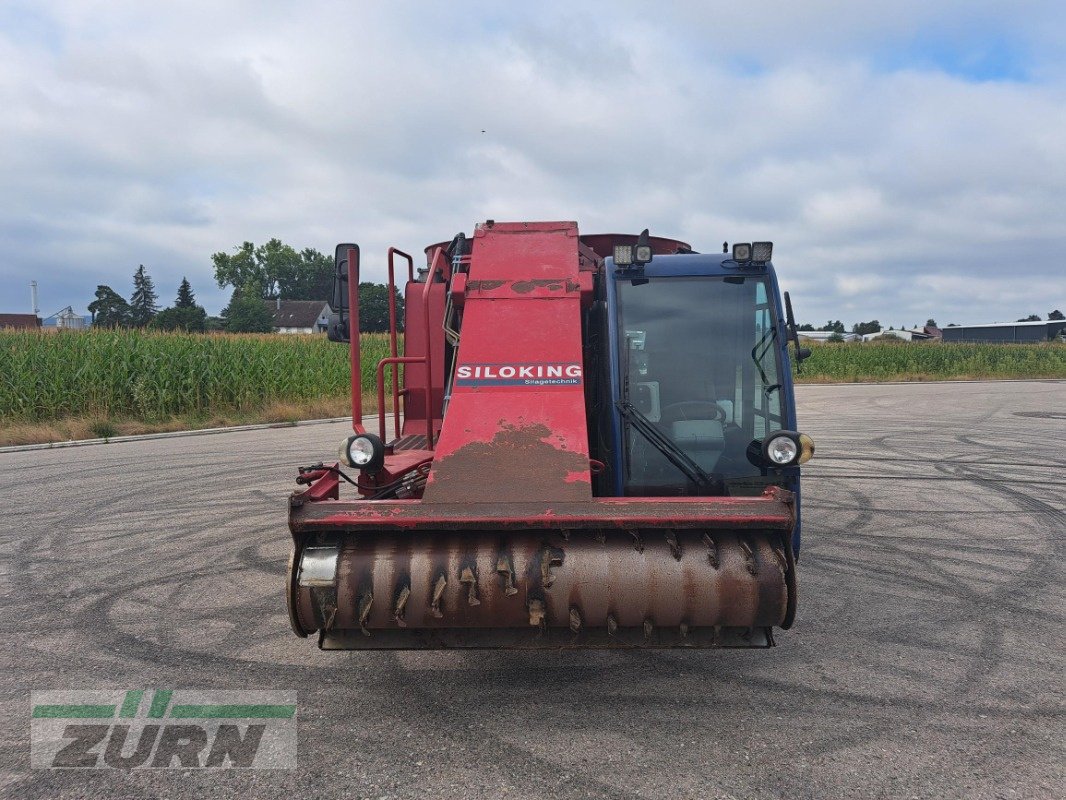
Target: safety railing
x=437, y=265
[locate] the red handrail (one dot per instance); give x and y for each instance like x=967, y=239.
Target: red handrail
x=393, y=251
x=438, y=262
x=353, y=340
x=381, y=388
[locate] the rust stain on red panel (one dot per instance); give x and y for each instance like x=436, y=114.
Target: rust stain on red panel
x=518, y=463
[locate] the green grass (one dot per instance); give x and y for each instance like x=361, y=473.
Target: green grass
x=903, y=361
x=156, y=376
x=112, y=380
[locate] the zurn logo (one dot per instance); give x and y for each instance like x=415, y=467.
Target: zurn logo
x=163, y=729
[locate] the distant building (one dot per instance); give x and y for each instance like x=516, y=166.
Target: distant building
x=20, y=321
x=299, y=316
x=68, y=320
x=1006, y=332
x=923, y=334
x=823, y=336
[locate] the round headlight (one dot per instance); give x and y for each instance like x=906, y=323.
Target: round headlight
x=782, y=450
x=361, y=451
x=364, y=451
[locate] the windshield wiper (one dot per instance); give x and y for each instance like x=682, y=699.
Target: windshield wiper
x=757, y=356
x=674, y=454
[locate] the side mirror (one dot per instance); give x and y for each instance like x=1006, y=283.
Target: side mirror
x=790, y=322
x=338, y=330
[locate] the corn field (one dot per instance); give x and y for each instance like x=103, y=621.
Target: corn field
x=155, y=375
x=876, y=361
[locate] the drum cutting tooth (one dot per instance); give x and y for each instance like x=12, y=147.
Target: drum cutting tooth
x=536, y=613
x=467, y=577
x=782, y=561
x=749, y=556
x=575, y=619
x=503, y=567
x=365, y=602
x=648, y=628
x=712, y=550
x=550, y=557
x=401, y=605
x=612, y=624
x=438, y=592
x=675, y=547
x=684, y=630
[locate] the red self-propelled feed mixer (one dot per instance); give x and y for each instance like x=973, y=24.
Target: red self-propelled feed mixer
x=596, y=446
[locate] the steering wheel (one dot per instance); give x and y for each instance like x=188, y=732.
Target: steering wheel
x=691, y=409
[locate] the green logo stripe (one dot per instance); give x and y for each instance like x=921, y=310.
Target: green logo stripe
x=232, y=711
x=160, y=701
x=73, y=712
x=131, y=703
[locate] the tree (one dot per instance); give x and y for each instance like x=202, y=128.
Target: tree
x=835, y=336
x=277, y=269
x=374, y=308
x=1031, y=318
x=184, y=315
x=247, y=313
x=186, y=299
x=930, y=323
x=834, y=326
x=1056, y=315
x=862, y=328
x=109, y=309
x=240, y=269
x=805, y=327
x=144, y=302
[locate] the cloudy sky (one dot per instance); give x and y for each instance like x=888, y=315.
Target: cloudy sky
x=908, y=159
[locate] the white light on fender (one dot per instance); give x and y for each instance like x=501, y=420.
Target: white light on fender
x=782, y=450
x=364, y=451
x=361, y=452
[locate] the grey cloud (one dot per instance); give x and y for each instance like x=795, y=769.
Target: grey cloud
x=159, y=134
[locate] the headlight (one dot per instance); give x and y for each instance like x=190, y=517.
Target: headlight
x=364, y=451
x=361, y=452
x=782, y=450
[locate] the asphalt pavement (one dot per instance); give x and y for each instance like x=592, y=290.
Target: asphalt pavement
x=927, y=660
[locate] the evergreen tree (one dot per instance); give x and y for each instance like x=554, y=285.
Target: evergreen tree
x=184, y=315
x=144, y=302
x=109, y=309
x=186, y=299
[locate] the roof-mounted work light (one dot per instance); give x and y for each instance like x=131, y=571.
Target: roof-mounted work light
x=742, y=252
x=623, y=255
x=761, y=252
x=634, y=255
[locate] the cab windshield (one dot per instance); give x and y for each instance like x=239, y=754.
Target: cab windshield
x=700, y=362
